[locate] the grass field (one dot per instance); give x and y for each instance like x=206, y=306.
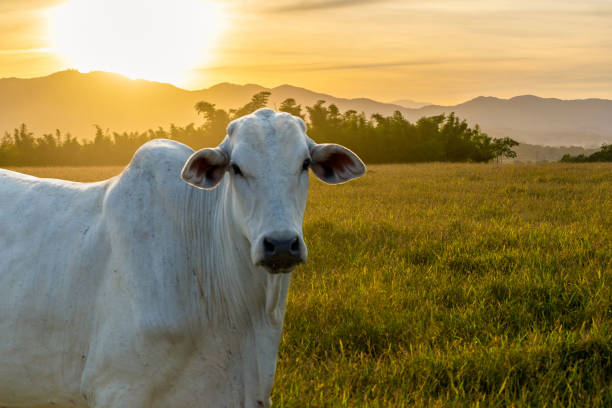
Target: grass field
x=449, y=285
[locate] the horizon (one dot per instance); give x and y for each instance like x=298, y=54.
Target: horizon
x=444, y=53
x=307, y=89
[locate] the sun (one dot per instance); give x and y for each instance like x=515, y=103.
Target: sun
x=158, y=40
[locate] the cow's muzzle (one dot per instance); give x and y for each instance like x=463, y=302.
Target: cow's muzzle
x=281, y=252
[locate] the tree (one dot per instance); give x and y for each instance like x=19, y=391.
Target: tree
x=502, y=148
x=259, y=100
x=602, y=155
x=318, y=116
x=290, y=106
x=215, y=120
x=379, y=139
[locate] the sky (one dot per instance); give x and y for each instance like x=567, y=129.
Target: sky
x=443, y=52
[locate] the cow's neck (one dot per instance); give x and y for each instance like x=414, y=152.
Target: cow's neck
x=242, y=304
x=231, y=289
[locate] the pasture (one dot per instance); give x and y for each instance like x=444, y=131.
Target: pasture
x=449, y=285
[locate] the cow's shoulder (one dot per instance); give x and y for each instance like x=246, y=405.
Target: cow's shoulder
x=150, y=182
x=159, y=156
x=156, y=165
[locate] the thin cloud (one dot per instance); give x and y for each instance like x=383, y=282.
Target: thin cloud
x=374, y=65
x=414, y=63
x=358, y=66
x=320, y=4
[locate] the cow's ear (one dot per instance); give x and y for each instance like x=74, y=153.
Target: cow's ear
x=205, y=168
x=335, y=164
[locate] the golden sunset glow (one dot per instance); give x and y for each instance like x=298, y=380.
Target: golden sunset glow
x=149, y=39
x=443, y=52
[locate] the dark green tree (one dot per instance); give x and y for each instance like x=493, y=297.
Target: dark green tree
x=602, y=155
x=379, y=139
x=502, y=148
x=259, y=100
x=289, y=105
x=215, y=120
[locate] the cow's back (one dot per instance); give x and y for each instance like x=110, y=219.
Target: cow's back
x=52, y=254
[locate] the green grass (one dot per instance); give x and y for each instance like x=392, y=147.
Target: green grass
x=451, y=285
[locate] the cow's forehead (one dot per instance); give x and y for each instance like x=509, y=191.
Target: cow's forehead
x=267, y=134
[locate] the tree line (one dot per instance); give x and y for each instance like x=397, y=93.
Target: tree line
x=378, y=139
x=602, y=155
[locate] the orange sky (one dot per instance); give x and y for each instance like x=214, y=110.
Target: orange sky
x=443, y=52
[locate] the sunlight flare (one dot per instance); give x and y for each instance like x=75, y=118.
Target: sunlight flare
x=157, y=40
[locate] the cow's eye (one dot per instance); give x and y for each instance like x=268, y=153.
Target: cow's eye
x=235, y=169
x=306, y=164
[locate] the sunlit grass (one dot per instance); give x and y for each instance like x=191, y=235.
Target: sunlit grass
x=450, y=285
x=439, y=284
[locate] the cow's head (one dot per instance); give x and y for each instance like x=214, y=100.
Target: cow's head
x=267, y=156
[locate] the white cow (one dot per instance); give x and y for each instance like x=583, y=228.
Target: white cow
x=143, y=291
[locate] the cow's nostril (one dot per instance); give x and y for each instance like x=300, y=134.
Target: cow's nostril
x=269, y=247
x=295, y=246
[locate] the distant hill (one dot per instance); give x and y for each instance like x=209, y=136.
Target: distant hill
x=535, y=120
x=409, y=103
x=74, y=101
x=527, y=153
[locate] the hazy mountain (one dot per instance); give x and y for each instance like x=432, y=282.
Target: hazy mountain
x=409, y=103
x=73, y=101
x=535, y=120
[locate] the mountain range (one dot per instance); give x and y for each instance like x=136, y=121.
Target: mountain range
x=75, y=102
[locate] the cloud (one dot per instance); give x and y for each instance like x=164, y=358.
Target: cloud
x=374, y=65
x=361, y=66
x=307, y=5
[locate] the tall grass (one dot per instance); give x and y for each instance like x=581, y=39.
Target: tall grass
x=452, y=285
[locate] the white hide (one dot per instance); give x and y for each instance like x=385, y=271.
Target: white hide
x=142, y=291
